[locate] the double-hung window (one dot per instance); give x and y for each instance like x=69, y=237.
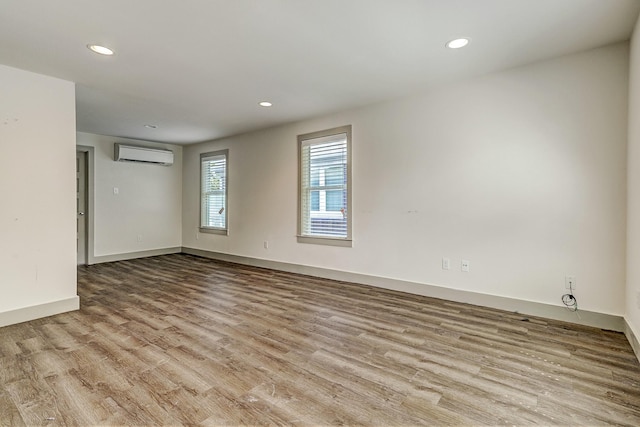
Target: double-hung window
x=324, y=202
x=213, y=192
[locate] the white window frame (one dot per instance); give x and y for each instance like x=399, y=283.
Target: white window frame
x=205, y=228
x=305, y=236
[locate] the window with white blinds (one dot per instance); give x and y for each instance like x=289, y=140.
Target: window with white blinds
x=213, y=192
x=325, y=197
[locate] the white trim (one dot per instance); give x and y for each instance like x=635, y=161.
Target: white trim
x=38, y=311
x=633, y=338
x=134, y=255
x=530, y=308
x=329, y=241
x=211, y=230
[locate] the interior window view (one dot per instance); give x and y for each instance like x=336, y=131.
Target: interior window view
x=320, y=213
x=327, y=194
x=214, y=191
x=323, y=182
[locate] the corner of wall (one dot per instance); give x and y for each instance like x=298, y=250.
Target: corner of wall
x=632, y=289
x=39, y=311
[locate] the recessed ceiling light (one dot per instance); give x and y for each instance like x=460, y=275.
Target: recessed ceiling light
x=457, y=43
x=151, y=126
x=100, y=49
x=265, y=104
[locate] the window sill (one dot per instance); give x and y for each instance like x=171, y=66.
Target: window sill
x=329, y=241
x=219, y=231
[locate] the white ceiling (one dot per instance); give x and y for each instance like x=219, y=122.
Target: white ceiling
x=198, y=68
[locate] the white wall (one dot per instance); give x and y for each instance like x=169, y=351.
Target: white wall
x=632, y=314
x=521, y=172
x=37, y=195
x=148, y=203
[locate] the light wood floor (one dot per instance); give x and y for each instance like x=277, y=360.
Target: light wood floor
x=180, y=340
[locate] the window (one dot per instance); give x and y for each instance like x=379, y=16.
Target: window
x=325, y=187
x=213, y=192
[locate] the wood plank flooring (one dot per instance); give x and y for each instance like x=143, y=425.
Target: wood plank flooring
x=180, y=340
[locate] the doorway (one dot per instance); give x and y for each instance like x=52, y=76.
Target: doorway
x=84, y=204
x=81, y=207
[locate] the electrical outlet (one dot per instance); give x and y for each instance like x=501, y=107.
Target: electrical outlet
x=116, y=190
x=446, y=264
x=570, y=282
x=266, y=244
x=464, y=265
x=139, y=238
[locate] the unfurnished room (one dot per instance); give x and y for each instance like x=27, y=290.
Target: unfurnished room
x=319, y=212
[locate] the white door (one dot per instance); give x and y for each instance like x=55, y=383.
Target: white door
x=81, y=206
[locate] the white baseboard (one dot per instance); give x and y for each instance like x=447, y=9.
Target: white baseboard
x=588, y=318
x=633, y=339
x=38, y=311
x=134, y=255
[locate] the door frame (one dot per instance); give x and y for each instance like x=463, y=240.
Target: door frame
x=90, y=198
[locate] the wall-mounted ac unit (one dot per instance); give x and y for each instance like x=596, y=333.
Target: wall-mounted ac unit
x=132, y=153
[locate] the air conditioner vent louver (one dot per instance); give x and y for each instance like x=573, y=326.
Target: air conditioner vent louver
x=132, y=153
